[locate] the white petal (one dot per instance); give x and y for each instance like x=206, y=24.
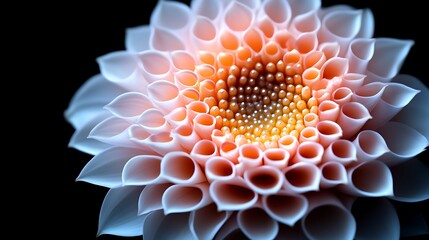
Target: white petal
x=341, y=27
x=302, y=177
x=257, y=224
x=142, y=170
x=389, y=54
x=352, y=117
x=367, y=25
x=113, y=131
x=308, y=22
x=180, y=168
x=165, y=40
x=369, y=94
x=353, y=81
x=369, y=145
x=203, y=150
x=264, y=179
x=89, y=100
x=150, y=198
x=80, y=140
x=299, y=7
x=250, y=155
x=417, y=108
x=232, y=195
x=185, y=79
x=153, y=121
x=129, y=105
x=340, y=150
x=330, y=221
x=165, y=95
x=411, y=181
x=403, y=141
x=186, y=136
x=276, y=157
x=118, y=215
x=342, y=95
x=204, y=34
x=370, y=179
x=376, y=218
x=185, y=198
x=105, y=169
x=162, y=143
x=328, y=132
x=207, y=221
x=278, y=11
x=230, y=229
x=252, y=4
x=238, y=17
x=155, y=66
x=285, y=207
x=333, y=173
x=394, y=98
x=171, y=15
x=219, y=168
x=171, y=226
x=137, y=38
x=210, y=9
x=359, y=53
x=122, y=68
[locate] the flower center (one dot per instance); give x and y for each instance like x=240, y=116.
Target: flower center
x=262, y=101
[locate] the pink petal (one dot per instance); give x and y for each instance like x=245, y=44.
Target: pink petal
x=264, y=179
x=232, y=195
x=219, y=168
x=182, y=60
x=328, y=110
x=204, y=124
x=352, y=117
x=206, y=222
x=353, y=81
x=184, y=198
x=129, y=105
x=165, y=40
x=186, y=136
x=203, y=150
x=165, y=95
x=276, y=157
x=369, y=145
x=342, y=151
x=305, y=23
x=285, y=207
x=229, y=150
x=302, y=177
x=359, y=53
x=178, y=117
x=289, y=143
x=257, y=224
x=238, y=17
x=185, y=79
x=369, y=94
x=153, y=121
x=328, y=132
x=250, y=155
x=333, y=173
x=204, y=34
x=150, y=198
x=142, y=170
x=155, y=66
x=180, y=168
x=278, y=11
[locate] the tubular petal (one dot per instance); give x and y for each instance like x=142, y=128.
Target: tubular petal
x=219, y=168
x=150, y=198
x=352, y=117
x=285, y=207
x=206, y=222
x=264, y=179
x=369, y=145
x=184, y=198
x=165, y=95
x=137, y=38
x=333, y=173
x=232, y=195
x=181, y=168
x=186, y=136
x=203, y=150
x=302, y=177
x=142, y=170
x=129, y=105
x=257, y=224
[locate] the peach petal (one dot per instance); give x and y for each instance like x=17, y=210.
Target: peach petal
x=271, y=52
x=369, y=145
x=182, y=60
x=340, y=150
x=306, y=42
x=264, y=179
x=189, y=95
x=225, y=60
x=311, y=76
x=276, y=157
x=186, y=136
x=206, y=222
x=353, y=81
x=232, y=195
x=129, y=105
x=122, y=68
x=185, y=79
x=334, y=67
x=162, y=143
x=218, y=137
x=165, y=40
x=178, y=117
x=153, y=121
x=229, y=150
x=185, y=198
x=266, y=26
x=204, y=124
x=311, y=120
x=150, y=198
x=204, y=34
x=328, y=131
x=195, y=108
x=250, y=155
x=113, y=131
x=328, y=110
x=333, y=174
x=369, y=94
x=395, y=97
x=359, y=53
x=284, y=39
x=238, y=17
x=289, y=143
x=342, y=95
x=142, y=170
x=369, y=179
x=155, y=66
x=353, y=116
x=330, y=49
x=284, y=207
x=389, y=54
x=203, y=150
x=181, y=168
x=253, y=39
x=207, y=89
x=242, y=55
x=257, y=224
x=165, y=95
x=219, y=168
x=302, y=177
x=309, y=134
x=310, y=152
x=314, y=59
x=228, y=40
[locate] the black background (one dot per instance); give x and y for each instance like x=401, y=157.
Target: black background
x=72, y=36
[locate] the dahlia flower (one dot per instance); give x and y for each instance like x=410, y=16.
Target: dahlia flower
x=260, y=118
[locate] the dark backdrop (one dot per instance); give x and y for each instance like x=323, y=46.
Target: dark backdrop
x=75, y=34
